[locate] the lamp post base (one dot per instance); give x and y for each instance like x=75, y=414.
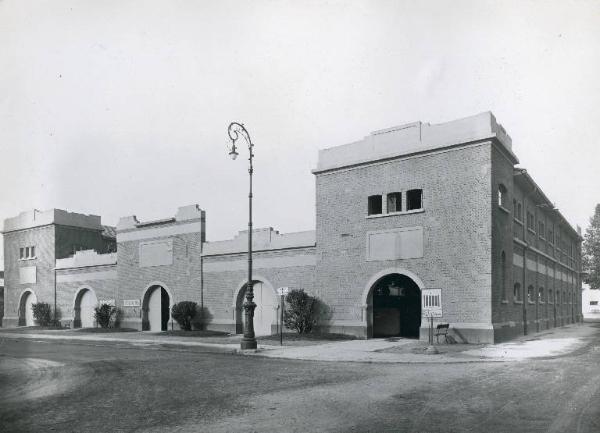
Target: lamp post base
x=248, y=344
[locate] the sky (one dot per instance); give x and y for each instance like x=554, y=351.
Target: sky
x=120, y=108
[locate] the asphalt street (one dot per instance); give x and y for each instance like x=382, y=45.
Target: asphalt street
x=89, y=387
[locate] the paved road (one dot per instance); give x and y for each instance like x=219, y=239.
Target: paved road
x=86, y=387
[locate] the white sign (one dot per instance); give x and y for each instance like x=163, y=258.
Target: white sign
x=106, y=301
x=431, y=302
x=282, y=291
x=131, y=302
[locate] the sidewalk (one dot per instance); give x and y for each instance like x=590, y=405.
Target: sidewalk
x=551, y=343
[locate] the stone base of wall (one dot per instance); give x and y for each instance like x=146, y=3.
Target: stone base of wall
x=461, y=335
x=222, y=327
x=357, y=331
x=10, y=322
x=133, y=323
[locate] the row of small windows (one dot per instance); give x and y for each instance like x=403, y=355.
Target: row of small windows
x=531, y=295
x=530, y=222
x=413, y=201
x=27, y=253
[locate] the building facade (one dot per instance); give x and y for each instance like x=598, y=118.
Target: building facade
x=408, y=208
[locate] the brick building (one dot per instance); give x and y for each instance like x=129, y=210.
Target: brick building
x=405, y=209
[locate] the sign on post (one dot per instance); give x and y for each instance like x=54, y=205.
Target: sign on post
x=431, y=306
x=431, y=302
x=282, y=291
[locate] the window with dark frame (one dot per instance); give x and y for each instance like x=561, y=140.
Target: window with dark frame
x=530, y=294
x=375, y=205
x=414, y=199
x=541, y=229
x=26, y=253
x=394, y=202
x=517, y=292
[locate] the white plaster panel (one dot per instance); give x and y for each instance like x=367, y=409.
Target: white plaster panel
x=517, y=260
x=531, y=265
x=157, y=232
x=87, y=276
x=156, y=253
x=267, y=262
x=402, y=243
x=28, y=275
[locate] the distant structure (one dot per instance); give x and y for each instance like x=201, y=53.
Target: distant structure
x=590, y=303
x=407, y=208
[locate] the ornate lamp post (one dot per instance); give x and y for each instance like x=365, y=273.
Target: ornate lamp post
x=236, y=130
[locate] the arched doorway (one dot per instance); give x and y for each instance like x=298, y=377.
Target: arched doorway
x=25, y=311
x=396, y=301
x=85, y=302
x=264, y=313
x=156, y=309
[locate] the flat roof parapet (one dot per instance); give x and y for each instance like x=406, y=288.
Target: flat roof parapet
x=414, y=138
x=262, y=239
x=38, y=218
x=184, y=213
x=86, y=258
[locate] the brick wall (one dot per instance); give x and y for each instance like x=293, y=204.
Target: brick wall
x=101, y=280
x=222, y=287
x=182, y=279
x=456, y=227
x=43, y=239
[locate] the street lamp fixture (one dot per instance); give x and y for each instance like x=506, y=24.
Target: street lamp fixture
x=235, y=131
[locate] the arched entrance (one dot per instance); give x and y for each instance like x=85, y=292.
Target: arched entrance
x=264, y=313
x=396, y=303
x=156, y=309
x=85, y=302
x=25, y=311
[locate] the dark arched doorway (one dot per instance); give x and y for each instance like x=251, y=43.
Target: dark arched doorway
x=396, y=307
x=28, y=298
x=156, y=309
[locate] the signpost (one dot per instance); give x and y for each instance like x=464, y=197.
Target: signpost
x=431, y=306
x=282, y=291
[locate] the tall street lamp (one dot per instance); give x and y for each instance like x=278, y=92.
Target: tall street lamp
x=236, y=130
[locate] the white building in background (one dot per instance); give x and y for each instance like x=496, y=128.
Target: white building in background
x=590, y=303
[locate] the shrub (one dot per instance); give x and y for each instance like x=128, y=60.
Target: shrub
x=299, y=314
x=104, y=314
x=42, y=313
x=184, y=313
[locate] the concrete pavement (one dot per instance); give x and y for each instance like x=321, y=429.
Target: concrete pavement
x=551, y=343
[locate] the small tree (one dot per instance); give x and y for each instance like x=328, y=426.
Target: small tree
x=299, y=314
x=591, y=251
x=42, y=313
x=184, y=313
x=104, y=313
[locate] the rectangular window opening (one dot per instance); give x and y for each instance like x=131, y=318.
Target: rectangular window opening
x=414, y=199
x=375, y=205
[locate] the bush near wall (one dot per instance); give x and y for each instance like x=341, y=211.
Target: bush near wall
x=299, y=313
x=183, y=313
x=42, y=313
x=104, y=314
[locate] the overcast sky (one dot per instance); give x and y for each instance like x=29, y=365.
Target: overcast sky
x=121, y=107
